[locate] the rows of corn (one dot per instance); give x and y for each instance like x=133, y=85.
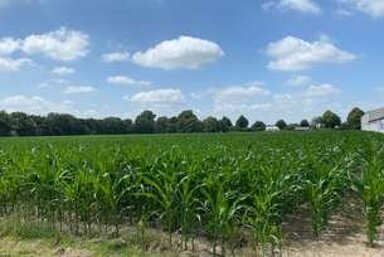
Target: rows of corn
x=193, y=186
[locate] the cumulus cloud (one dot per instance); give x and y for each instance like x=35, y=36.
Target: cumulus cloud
x=61, y=45
x=71, y=90
x=128, y=81
x=282, y=97
x=63, y=71
x=322, y=90
x=169, y=96
x=53, y=83
x=239, y=94
x=9, y=45
x=295, y=54
x=35, y=105
x=11, y=65
x=374, y=8
x=302, y=6
x=115, y=57
x=184, y=52
x=42, y=106
x=299, y=80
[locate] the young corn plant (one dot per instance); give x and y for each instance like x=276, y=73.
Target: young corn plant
x=369, y=185
x=222, y=209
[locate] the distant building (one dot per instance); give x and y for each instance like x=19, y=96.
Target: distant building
x=302, y=128
x=373, y=121
x=272, y=128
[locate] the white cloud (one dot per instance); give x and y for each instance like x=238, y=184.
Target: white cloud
x=374, y=8
x=299, y=80
x=61, y=45
x=34, y=105
x=343, y=12
x=9, y=45
x=303, y=6
x=63, y=71
x=124, y=80
x=52, y=83
x=282, y=97
x=11, y=65
x=239, y=94
x=115, y=57
x=294, y=54
x=70, y=90
x=42, y=106
x=183, y=52
x=323, y=90
x=167, y=96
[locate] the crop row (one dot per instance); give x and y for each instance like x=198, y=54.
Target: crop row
x=211, y=186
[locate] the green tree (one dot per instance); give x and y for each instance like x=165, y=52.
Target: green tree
x=114, y=125
x=162, y=125
x=211, y=124
x=242, y=123
x=5, y=124
x=187, y=122
x=145, y=122
x=304, y=123
x=22, y=124
x=258, y=126
x=330, y=119
x=128, y=126
x=225, y=124
x=281, y=124
x=354, y=118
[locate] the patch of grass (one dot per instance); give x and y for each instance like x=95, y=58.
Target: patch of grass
x=22, y=238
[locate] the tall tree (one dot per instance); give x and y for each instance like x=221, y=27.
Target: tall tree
x=330, y=119
x=5, y=124
x=211, y=124
x=258, y=126
x=22, y=124
x=242, y=123
x=354, y=118
x=145, y=122
x=281, y=124
x=225, y=124
x=304, y=123
x=113, y=125
x=162, y=125
x=187, y=122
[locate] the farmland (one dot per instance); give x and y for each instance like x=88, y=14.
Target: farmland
x=232, y=190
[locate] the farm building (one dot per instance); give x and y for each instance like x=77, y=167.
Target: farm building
x=373, y=121
x=272, y=128
x=302, y=128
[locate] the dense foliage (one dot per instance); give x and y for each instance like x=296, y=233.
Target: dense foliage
x=55, y=124
x=215, y=185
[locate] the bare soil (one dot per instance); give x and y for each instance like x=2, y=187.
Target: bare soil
x=344, y=237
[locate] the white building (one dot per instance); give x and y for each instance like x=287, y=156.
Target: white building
x=302, y=128
x=373, y=121
x=272, y=128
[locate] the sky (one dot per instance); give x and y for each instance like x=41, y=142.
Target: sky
x=265, y=59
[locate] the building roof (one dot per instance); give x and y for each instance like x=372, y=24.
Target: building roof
x=374, y=115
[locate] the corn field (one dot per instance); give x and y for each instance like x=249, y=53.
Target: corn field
x=193, y=186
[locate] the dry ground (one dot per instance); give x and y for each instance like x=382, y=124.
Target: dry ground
x=344, y=238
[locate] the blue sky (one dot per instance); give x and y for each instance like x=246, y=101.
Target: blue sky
x=271, y=59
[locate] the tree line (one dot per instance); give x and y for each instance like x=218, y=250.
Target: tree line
x=54, y=124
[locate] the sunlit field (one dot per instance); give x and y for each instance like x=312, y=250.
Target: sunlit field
x=231, y=191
